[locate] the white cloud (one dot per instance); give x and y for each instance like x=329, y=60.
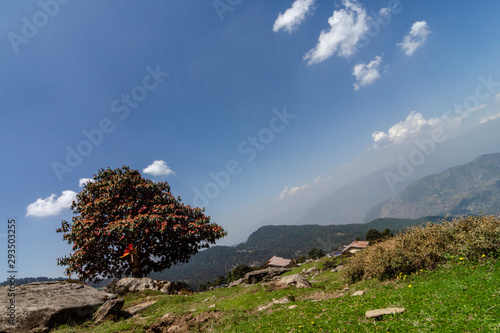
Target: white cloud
x=485, y=119
x=497, y=98
x=415, y=38
x=158, y=168
x=366, y=74
x=293, y=16
x=347, y=27
x=287, y=191
x=83, y=181
x=51, y=205
x=406, y=130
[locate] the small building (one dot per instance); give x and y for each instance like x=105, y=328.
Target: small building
x=339, y=250
x=350, y=249
x=278, y=262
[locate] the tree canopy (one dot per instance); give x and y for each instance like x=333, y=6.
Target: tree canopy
x=119, y=212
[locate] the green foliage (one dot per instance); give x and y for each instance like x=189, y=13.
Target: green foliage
x=301, y=259
x=373, y=235
x=427, y=247
x=316, y=253
x=120, y=208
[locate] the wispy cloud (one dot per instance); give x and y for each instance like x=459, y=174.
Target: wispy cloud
x=293, y=17
x=366, y=74
x=51, y=205
x=485, y=119
x=158, y=168
x=497, y=98
x=415, y=38
x=288, y=190
x=347, y=27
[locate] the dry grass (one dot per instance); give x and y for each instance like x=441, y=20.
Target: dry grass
x=427, y=247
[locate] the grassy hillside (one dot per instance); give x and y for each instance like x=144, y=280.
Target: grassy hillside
x=455, y=290
x=289, y=241
x=461, y=296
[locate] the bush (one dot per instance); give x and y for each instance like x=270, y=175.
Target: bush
x=316, y=253
x=426, y=248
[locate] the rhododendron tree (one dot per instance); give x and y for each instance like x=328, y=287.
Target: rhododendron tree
x=119, y=213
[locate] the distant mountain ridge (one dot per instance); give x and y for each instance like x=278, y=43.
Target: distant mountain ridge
x=469, y=189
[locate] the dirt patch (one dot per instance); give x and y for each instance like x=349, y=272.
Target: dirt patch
x=320, y=295
x=185, y=323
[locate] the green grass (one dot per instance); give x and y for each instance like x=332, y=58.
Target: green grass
x=461, y=296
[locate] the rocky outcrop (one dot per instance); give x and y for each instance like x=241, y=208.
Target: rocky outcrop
x=42, y=305
x=130, y=284
x=296, y=280
x=263, y=275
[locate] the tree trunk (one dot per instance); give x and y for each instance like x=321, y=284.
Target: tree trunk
x=136, y=268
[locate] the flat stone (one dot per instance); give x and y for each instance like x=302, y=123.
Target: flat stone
x=296, y=280
x=42, y=305
x=136, y=308
x=358, y=293
x=381, y=312
x=293, y=306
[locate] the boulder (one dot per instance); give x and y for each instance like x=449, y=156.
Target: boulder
x=111, y=307
x=130, y=284
x=263, y=275
x=296, y=280
x=380, y=312
x=44, y=305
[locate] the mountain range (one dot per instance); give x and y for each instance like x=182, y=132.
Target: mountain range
x=469, y=189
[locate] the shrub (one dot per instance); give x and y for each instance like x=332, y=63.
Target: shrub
x=426, y=248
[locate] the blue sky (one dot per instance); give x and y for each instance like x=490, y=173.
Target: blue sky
x=281, y=101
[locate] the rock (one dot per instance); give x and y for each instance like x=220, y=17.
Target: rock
x=174, y=328
x=296, y=280
x=212, y=306
x=111, y=307
x=263, y=275
x=380, y=312
x=338, y=268
x=346, y=289
x=44, y=305
x=282, y=300
x=358, y=293
x=130, y=284
x=136, y=308
x=291, y=307
x=311, y=270
x=236, y=283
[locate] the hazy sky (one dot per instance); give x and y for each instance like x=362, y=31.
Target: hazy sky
x=252, y=109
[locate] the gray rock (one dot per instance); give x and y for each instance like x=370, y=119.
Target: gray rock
x=263, y=275
x=136, y=308
x=381, y=312
x=111, y=307
x=130, y=284
x=358, y=293
x=42, y=305
x=296, y=280
x=236, y=283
